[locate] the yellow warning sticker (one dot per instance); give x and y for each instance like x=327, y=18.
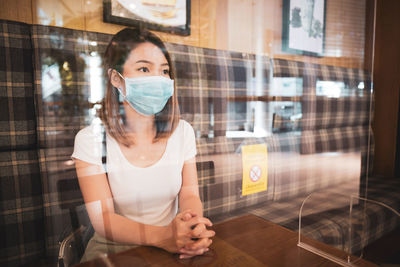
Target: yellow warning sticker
x=255, y=169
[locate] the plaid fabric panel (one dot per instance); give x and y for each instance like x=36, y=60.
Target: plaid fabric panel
x=352, y=77
x=289, y=68
x=280, y=142
x=380, y=220
x=207, y=78
x=21, y=214
x=341, y=112
x=21, y=208
x=61, y=194
x=324, y=112
x=335, y=139
x=354, y=138
x=347, y=75
x=191, y=81
x=332, y=124
x=17, y=117
x=68, y=76
x=385, y=190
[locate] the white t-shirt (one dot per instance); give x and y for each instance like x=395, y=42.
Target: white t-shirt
x=147, y=195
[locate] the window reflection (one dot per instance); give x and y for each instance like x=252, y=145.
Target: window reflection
x=286, y=116
x=247, y=119
x=287, y=86
x=332, y=89
x=247, y=110
x=280, y=111
x=51, y=80
x=336, y=89
x=95, y=76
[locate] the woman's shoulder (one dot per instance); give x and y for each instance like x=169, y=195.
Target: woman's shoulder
x=90, y=133
x=88, y=142
x=184, y=126
x=181, y=129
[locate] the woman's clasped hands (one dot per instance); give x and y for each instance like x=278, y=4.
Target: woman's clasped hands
x=190, y=236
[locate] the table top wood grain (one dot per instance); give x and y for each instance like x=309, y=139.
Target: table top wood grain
x=244, y=241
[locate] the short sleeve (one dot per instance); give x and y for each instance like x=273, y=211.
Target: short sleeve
x=88, y=146
x=189, y=141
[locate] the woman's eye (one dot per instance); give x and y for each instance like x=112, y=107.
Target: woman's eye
x=143, y=69
x=166, y=72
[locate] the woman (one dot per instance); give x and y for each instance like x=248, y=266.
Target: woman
x=151, y=166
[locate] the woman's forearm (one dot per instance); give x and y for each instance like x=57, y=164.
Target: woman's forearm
x=193, y=203
x=189, y=195
x=120, y=229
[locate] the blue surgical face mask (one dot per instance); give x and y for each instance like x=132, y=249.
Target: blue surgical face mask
x=148, y=95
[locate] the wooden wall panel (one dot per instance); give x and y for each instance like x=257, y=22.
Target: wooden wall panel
x=240, y=25
x=17, y=10
x=249, y=26
x=94, y=18
x=62, y=13
x=207, y=23
x=345, y=30
x=221, y=21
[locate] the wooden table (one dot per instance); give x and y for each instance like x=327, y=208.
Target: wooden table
x=244, y=241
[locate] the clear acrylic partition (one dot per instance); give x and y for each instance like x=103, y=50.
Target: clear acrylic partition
x=244, y=75
x=338, y=226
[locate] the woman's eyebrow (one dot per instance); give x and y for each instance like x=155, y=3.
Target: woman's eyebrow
x=149, y=62
x=144, y=61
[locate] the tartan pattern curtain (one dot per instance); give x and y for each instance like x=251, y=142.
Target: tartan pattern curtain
x=22, y=236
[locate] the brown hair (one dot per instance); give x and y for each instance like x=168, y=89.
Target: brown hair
x=112, y=112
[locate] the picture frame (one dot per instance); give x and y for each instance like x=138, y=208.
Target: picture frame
x=172, y=16
x=303, y=27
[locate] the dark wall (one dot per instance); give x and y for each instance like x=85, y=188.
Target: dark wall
x=386, y=85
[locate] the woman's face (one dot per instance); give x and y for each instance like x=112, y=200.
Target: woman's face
x=146, y=60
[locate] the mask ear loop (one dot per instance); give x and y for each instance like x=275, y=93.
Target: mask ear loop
x=121, y=109
x=120, y=75
x=120, y=89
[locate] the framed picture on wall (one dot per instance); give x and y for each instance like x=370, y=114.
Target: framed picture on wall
x=171, y=16
x=303, y=27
